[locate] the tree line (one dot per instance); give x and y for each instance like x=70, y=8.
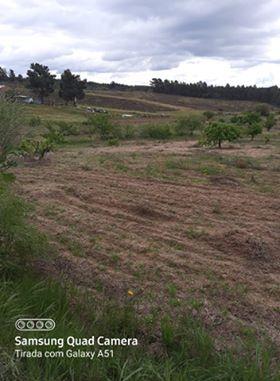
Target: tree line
x=200, y=89
x=40, y=80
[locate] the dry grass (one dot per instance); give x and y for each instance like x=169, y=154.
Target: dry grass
x=142, y=217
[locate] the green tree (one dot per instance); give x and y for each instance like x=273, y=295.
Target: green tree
x=71, y=87
x=270, y=122
x=3, y=74
x=12, y=75
x=40, y=80
x=251, y=118
x=216, y=133
x=254, y=129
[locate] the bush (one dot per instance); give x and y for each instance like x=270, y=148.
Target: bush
x=187, y=125
x=36, y=148
x=254, y=129
x=11, y=123
x=209, y=114
x=101, y=125
x=35, y=121
x=156, y=131
x=270, y=122
x=248, y=118
x=251, y=118
x=54, y=135
x=216, y=133
x=262, y=109
x=67, y=129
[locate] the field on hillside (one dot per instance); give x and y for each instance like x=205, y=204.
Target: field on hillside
x=165, y=224
x=170, y=222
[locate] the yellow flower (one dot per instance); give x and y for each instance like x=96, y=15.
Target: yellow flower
x=130, y=293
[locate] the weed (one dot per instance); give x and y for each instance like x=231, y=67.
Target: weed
x=161, y=131
x=172, y=290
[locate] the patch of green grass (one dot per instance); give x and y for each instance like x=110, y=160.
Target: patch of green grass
x=194, y=233
x=172, y=290
x=74, y=246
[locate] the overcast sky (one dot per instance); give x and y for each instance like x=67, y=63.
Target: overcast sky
x=132, y=41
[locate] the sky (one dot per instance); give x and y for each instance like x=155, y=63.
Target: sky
x=133, y=41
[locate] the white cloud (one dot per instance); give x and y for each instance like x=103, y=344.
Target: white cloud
x=131, y=41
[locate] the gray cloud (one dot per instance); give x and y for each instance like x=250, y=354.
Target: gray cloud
x=135, y=35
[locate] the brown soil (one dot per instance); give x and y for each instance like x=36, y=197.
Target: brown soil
x=140, y=234
x=216, y=105
x=122, y=103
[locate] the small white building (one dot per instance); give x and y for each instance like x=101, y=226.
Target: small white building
x=24, y=99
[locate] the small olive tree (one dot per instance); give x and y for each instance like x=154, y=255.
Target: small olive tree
x=270, y=122
x=254, y=129
x=11, y=123
x=216, y=133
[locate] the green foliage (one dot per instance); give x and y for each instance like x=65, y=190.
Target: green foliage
x=156, y=131
x=253, y=130
x=270, y=122
x=67, y=129
x=101, y=125
x=167, y=332
x=187, y=125
x=19, y=241
x=113, y=142
x=71, y=87
x=247, y=118
x=36, y=148
x=10, y=127
x=209, y=114
x=40, y=80
x=35, y=121
x=54, y=134
x=251, y=118
x=236, y=119
x=216, y=133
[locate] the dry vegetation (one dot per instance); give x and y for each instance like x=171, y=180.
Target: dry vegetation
x=156, y=217
x=165, y=228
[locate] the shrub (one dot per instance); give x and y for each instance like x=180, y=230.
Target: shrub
x=248, y=118
x=270, y=122
x=128, y=132
x=10, y=127
x=262, y=109
x=236, y=119
x=156, y=131
x=54, y=134
x=113, y=142
x=254, y=129
x=251, y=118
x=216, y=133
x=187, y=125
x=35, y=121
x=209, y=114
x=67, y=129
x=36, y=148
x=101, y=125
